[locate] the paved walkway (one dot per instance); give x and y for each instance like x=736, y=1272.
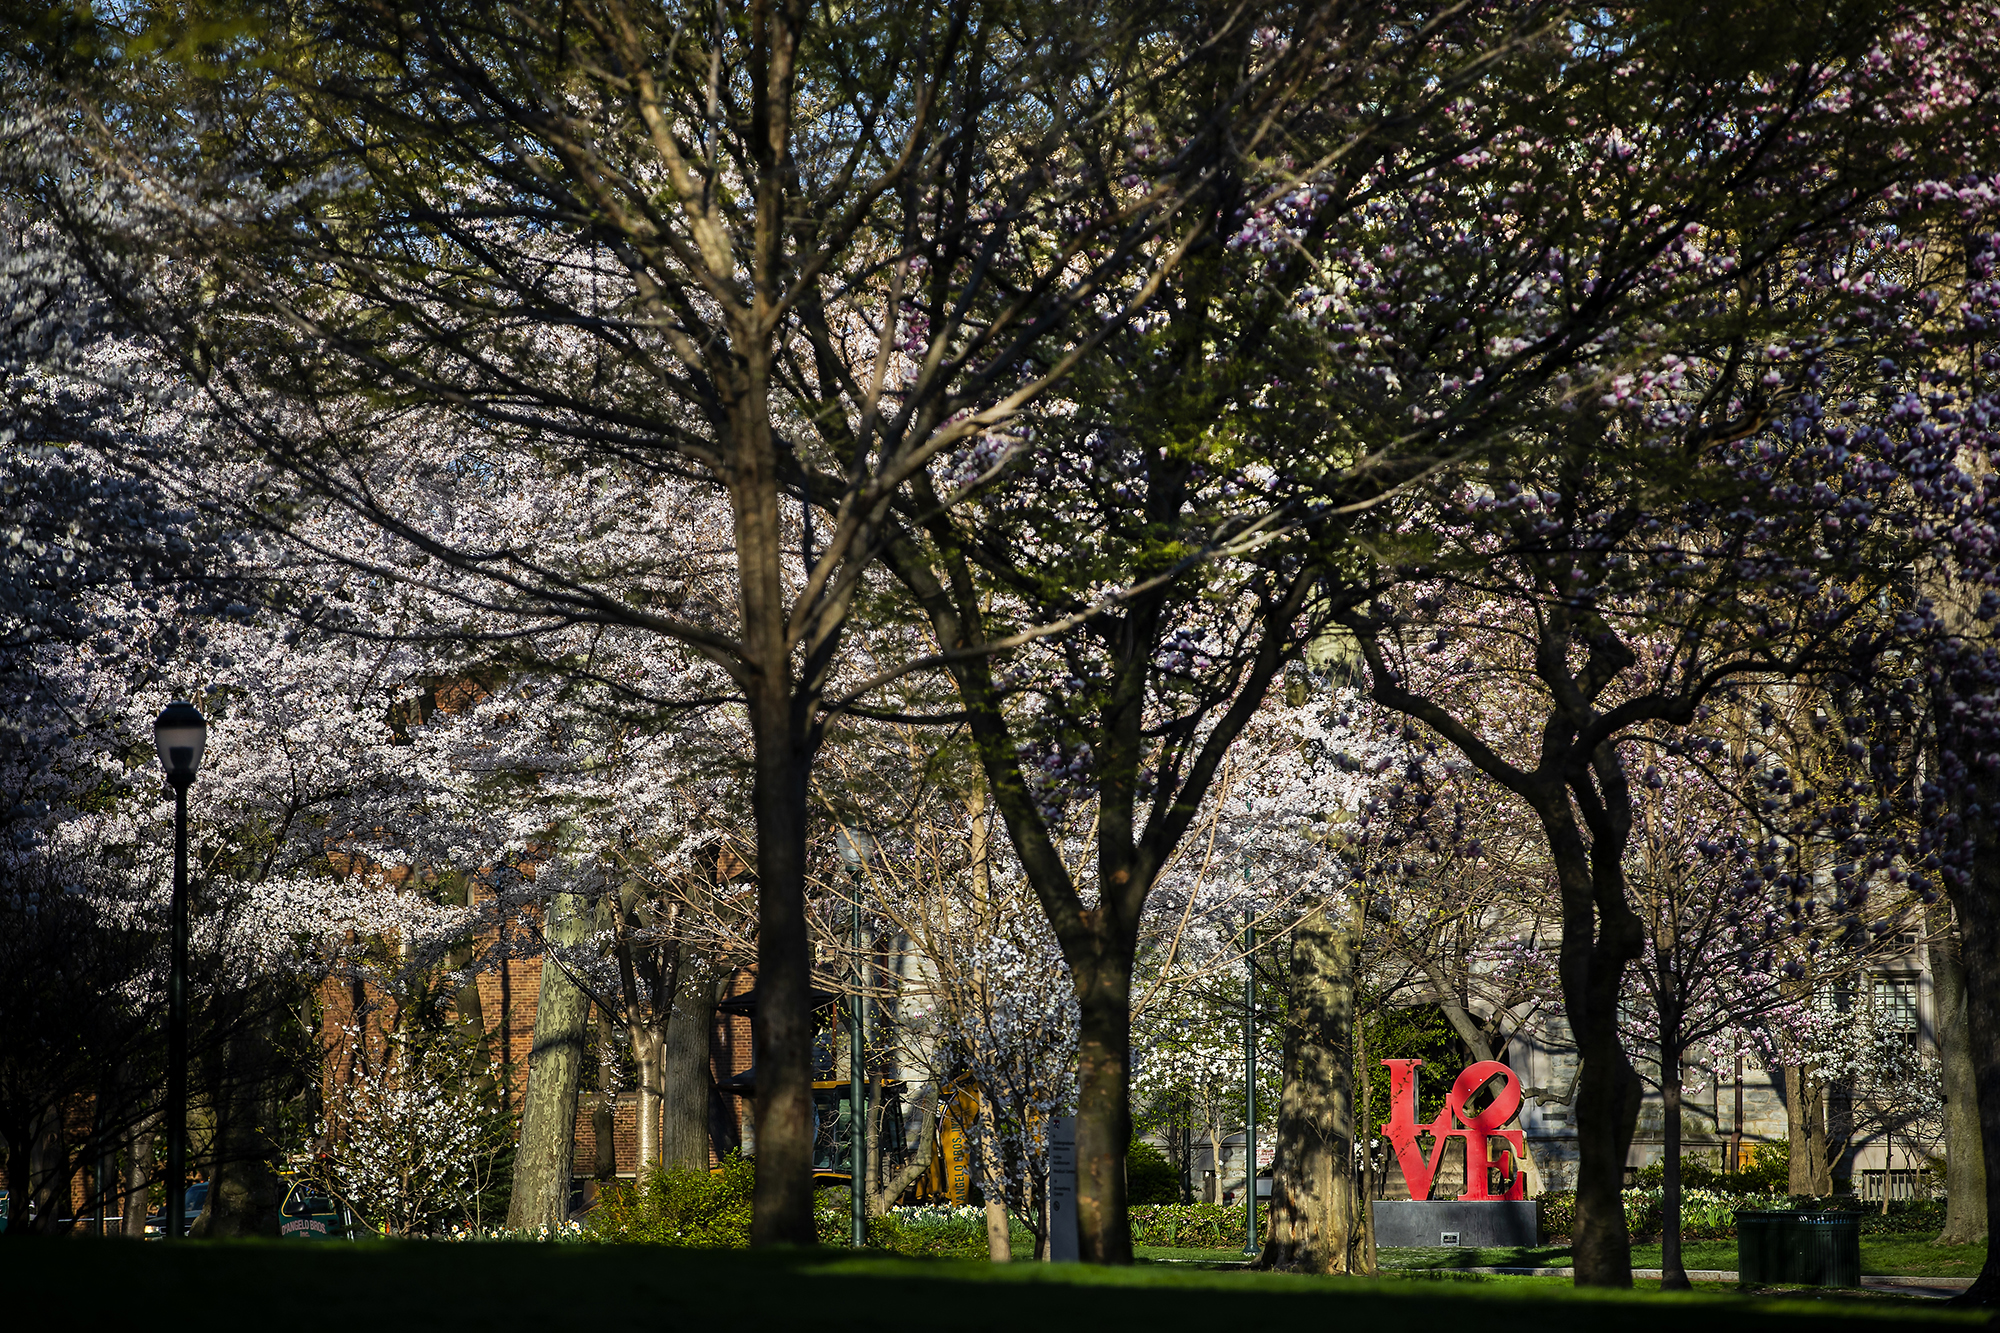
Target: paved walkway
x=1938, y=1287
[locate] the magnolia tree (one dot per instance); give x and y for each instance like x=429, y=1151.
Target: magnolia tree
x=1751, y=918
x=1701, y=516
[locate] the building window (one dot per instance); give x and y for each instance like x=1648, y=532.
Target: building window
x=1895, y=1003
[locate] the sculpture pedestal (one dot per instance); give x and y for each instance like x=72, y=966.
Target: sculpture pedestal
x=1410, y=1222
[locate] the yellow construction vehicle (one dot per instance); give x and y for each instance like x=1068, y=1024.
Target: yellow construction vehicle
x=947, y=1176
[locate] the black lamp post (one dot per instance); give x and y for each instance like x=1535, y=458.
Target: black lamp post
x=179, y=734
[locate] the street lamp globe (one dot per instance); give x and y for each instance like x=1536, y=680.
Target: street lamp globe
x=179, y=734
x=856, y=847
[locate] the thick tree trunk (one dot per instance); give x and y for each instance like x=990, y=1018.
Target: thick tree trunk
x=684, y=1078
x=1607, y=1115
x=542, y=1165
x=1601, y=934
x=1673, y=1273
x=1315, y=1214
x=1805, y=1126
x=1104, y=1113
x=782, y=1050
x=1978, y=906
x=1964, y=1153
x=245, y=1192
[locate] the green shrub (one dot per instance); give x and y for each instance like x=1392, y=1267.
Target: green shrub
x=1192, y=1226
x=699, y=1210
x=1149, y=1176
x=936, y=1232
x=1696, y=1174
x=1766, y=1170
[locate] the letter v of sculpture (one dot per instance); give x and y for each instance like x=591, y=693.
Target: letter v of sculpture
x=1402, y=1129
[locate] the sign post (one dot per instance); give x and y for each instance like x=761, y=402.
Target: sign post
x=1063, y=1247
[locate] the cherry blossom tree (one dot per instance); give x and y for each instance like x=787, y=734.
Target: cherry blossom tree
x=777, y=254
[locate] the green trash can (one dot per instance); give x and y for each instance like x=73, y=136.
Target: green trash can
x=1758, y=1249
x=1814, y=1249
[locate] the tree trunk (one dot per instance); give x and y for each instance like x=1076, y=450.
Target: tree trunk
x=649, y=1068
x=1805, y=1125
x=1964, y=1154
x=993, y=1185
x=782, y=1041
x=1888, y=1165
x=1673, y=1273
x=245, y=1192
x=999, y=1237
x=1607, y=1115
x=1601, y=934
x=1212, y=1188
x=542, y=1165
x=886, y=1188
x=1104, y=1112
x=604, y=1106
x=1978, y=906
x=19, y=1138
x=138, y=1177
x=49, y=1168
x=1314, y=1214
x=1366, y=1130
x=683, y=1071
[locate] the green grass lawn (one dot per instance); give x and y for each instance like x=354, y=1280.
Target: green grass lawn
x=1165, y=1254
x=1886, y=1255
x=389, y=1285
x=1883, y=1254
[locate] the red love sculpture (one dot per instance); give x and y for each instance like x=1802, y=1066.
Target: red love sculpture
x=1476, y=1129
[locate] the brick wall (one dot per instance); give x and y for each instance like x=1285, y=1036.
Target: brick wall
x=624, y=1135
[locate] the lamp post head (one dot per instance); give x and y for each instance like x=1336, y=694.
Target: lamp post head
x=856, y=847
x=179, y=734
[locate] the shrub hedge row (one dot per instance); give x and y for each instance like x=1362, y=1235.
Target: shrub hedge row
x=1709, y=1214
x=711, y=1210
